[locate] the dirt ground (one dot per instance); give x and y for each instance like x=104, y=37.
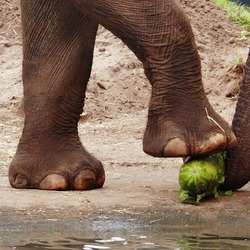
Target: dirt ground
x=113, y=122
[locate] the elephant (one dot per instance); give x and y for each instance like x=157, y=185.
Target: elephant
x=58, y=44
x=237, y=160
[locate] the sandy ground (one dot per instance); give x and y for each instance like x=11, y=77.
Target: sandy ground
x=112, y=127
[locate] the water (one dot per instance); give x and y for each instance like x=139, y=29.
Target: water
x=243, y=2
x=138, y=242
x=120, y=232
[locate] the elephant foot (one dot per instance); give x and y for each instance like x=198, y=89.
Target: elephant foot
x=191, y=134
x=65, y=170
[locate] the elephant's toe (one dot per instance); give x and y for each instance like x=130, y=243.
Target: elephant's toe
x=216, y=142
x=54, y=182
x=19, y=181
x=176, y=147
x=87, y=179
x=84, y=180
x=212, y=143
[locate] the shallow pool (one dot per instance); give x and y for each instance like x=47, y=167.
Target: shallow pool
x=120, y=232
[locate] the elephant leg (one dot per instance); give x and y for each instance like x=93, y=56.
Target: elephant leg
x=181, y=121
x=58, y=43
x=238, y=159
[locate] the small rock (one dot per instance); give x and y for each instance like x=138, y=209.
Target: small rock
x=231, y=40
x=102, y=50
x=232, y=89
x=101, y=85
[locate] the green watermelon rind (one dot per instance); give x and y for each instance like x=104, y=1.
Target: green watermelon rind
x=210, y=174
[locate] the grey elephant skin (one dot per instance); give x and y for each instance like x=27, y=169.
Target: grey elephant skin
x=237, y=161
x=58, y=44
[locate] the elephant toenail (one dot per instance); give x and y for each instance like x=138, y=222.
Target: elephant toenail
x=213, y=143
x=54, y=182
x=100, y=181
x=20, y=182
x=176, y=147
x=85, y=180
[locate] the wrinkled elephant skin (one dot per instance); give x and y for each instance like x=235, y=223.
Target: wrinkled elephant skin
x=238, y=159
x=58, y=42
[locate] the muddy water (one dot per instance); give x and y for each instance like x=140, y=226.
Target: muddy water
x=119, y=232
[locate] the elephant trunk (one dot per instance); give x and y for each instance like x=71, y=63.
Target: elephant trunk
x=238, y=159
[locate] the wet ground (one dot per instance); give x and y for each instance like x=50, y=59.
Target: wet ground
x=121, y=231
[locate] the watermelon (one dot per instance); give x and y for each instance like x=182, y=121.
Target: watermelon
x=201, y=176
